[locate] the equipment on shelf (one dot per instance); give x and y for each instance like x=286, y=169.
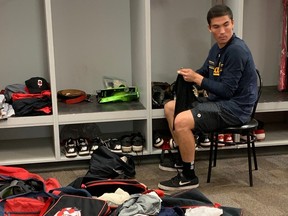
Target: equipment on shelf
x=71, y=96
x=161, y=92
x=121, y=94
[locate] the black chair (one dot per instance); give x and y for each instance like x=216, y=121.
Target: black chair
x=245, y=130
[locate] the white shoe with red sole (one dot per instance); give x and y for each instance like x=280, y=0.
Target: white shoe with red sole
x=260, y=134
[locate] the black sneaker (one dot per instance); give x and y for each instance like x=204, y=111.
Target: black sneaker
x=70, y=148
x=82, y=147
x=137, y=142
x=171, y=166
x=126, y=144
x=204, y=140
x=114, y=145
x=179, y=182
x=94, y=144
x=157, y=139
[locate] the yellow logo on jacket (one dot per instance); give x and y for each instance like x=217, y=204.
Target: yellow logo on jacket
x=216, y=71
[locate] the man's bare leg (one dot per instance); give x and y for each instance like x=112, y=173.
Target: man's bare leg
x=182, y=132
x=184, y=138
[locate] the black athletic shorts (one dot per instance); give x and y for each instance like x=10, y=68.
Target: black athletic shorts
x=209, y=116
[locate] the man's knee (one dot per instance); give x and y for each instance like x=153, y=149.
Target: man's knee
x=169, y=108
x=184, y=121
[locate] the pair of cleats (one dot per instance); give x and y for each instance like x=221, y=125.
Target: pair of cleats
x=159, y=141
x=81, y=146
x=126, y=144
x=133, y=142
x=258, y=133
x=205, y=141
x=74, y=147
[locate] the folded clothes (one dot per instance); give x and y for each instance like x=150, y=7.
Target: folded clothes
x=116, y=198
x=6, y=110
x=2, y=100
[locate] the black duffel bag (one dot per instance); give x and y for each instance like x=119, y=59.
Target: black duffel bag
x=105, y=164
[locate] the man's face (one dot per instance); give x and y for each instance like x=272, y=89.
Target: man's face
x=222, y=29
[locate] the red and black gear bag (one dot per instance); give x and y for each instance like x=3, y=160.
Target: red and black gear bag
x=73, y=201
x=97, y=187
x=73, y=205
x=23, y=192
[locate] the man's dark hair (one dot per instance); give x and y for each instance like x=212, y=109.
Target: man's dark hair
x=218, y=11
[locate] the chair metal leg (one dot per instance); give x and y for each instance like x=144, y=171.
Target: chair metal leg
x=254, y=155
x=215, y=149
x=249, y=160
x=210, y=159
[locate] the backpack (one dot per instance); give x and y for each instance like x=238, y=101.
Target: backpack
x=23, y=192
x=161, y=92
x=105, y=164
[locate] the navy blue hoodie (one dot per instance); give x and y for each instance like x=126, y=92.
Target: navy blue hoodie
x=230, y=78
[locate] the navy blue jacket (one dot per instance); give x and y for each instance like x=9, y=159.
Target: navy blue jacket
x=230, y=78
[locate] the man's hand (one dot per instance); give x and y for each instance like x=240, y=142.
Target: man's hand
x=190, y=75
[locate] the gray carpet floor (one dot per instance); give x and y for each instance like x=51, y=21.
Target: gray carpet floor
x=229, y=184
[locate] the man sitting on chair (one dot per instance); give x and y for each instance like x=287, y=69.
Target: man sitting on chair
x=229, y=75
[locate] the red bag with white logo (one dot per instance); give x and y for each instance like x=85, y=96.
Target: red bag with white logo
x=23, y=192
x=78, y=205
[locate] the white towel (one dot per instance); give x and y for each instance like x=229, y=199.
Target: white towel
x=204, y=211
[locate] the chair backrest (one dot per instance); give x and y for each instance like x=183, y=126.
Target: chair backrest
x=260, y=83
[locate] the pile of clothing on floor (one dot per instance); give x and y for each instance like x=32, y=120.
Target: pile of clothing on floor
x=23, y=193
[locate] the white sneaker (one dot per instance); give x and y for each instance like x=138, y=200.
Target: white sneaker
x=205, y=141
x=172, y=144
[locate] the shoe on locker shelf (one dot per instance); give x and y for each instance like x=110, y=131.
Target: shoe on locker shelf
x=204, y=140
x=173, y=144
x=228, y=138
x=137, y=142
x=260, y=134
x=126, y=143
x=82, y=146
x=70, y=148
x=113, y=145
x=94, y=144
x=157, y=139
x=166, y=144
x=221, y=139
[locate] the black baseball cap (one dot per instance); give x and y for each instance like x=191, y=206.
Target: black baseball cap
x=37, y=85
